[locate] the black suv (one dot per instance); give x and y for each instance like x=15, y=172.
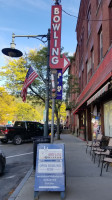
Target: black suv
x=21, y=131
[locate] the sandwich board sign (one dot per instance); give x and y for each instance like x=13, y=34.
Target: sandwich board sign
x=50, y=168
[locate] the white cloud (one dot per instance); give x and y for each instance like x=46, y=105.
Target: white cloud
x=6, y=29
x=71, y=5
x=70, y=53
x=4, y=3
x=38, y=4
x=23, y=4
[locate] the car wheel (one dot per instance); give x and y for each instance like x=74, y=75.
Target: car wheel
x=17, y=140
x=4, y=141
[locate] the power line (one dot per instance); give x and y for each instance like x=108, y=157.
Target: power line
x=69, y=14
x=85, y=19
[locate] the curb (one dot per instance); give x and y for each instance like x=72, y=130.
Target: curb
x=20, y=186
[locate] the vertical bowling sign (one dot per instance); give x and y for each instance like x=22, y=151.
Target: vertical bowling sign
x=56, y=61
x=55, y=44
x=59, y=84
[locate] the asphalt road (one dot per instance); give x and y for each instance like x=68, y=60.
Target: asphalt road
x=19, y=159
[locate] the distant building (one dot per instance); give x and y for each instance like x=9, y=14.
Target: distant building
x=92, y=64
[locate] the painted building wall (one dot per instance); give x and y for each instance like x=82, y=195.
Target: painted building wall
x=93, y=58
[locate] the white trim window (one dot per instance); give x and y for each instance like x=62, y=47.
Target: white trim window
x=89, y=21
x=101, y=44
x=108, y=119
x=88, y=69
x=92, y=60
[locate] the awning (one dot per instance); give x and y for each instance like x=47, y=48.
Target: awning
x=99, y=93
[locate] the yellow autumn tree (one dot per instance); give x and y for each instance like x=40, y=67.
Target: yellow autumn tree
x=12, y=109
x=26, y=112
x=14, y=73
x=63, y=112
x=7, y=106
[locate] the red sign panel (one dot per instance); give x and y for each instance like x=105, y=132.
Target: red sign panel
x=55, y=36
x=55, y=45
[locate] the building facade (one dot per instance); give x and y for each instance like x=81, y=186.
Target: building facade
x=92, y=65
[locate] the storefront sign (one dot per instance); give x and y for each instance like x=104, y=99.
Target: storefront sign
x=50, y=168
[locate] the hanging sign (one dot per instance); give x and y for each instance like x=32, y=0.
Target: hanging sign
x=56, y=61
x=59, y=84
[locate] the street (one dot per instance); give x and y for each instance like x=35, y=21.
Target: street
x=19, y=159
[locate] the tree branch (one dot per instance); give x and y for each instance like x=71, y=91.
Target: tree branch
x=37, y=94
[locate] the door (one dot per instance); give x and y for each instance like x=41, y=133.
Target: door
x=31, y=128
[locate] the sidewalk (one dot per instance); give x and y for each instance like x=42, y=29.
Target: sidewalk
x=83, y=181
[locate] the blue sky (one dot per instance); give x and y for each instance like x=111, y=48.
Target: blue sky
x=33, y=17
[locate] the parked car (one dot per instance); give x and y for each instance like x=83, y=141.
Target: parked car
x=55, y=128
x=2, y=162
x=21, y=131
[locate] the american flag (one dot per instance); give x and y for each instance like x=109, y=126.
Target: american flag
x=30, y=76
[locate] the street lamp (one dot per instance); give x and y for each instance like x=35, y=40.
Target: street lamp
x=12, y=52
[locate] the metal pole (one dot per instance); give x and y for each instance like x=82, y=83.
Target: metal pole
x=47, y=87
x=52, y=125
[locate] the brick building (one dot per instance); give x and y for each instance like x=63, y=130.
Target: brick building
x=92, y=64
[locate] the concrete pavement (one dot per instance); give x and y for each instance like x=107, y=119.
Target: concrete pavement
x=83, y=181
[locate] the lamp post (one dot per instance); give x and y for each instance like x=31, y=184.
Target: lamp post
x=12, y=52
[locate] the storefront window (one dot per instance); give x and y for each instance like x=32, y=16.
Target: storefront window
x=108, y=119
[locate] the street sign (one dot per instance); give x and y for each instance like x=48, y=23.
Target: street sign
x=59, y=84
x=56, y=62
